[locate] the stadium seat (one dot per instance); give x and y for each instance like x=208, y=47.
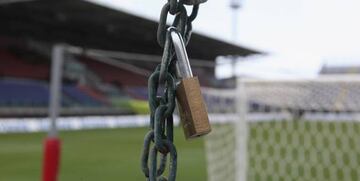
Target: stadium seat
x=115, y=75
x=20, y=93
x=81, y=98
x=12, y=66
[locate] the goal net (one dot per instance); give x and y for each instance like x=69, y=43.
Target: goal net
x=285, y=130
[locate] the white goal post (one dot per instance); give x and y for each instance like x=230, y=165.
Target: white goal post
x=285, y=130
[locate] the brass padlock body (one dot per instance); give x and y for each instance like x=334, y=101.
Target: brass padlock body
x=192, y=109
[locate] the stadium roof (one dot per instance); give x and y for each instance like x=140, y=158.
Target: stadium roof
x=90, y=25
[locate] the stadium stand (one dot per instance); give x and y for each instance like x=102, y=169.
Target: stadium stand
x=331, y=96
x=12, y=66
x=114, y=75
x=97, y=95
x=328, y=69
x=80, y=97
x=32, y=93
x=93, y=87
x=137, y=92
x=87, y=84
x=23, y=93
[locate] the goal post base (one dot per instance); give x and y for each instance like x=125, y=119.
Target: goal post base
x=51, y=159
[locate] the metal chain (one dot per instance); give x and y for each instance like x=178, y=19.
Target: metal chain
x=160, y=137
x=182, y=22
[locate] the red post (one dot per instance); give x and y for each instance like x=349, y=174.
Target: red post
x=51, y=160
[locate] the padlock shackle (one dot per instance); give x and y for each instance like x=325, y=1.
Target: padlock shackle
x=183, y=64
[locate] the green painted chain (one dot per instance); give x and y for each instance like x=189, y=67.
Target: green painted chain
x=163, y=79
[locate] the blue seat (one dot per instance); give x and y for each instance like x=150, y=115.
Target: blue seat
x=20, y=93
x=29, y=93
x=79, y=97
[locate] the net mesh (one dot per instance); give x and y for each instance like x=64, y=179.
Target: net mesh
x=219, y=145
x=295, y=130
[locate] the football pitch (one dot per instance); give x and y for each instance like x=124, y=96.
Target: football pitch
x=94, y=155
x=277, y=150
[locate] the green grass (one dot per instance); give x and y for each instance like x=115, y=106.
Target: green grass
x=278, y=150
x=94, y=155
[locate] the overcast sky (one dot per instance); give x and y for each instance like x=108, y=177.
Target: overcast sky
x=303, y=33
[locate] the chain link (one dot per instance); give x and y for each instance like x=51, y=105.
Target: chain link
x=159, y=140
x=182, y=22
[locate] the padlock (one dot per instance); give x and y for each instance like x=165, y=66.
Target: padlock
x=191, y=106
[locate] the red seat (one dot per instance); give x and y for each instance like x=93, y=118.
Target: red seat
x=115, y=75
x=12, y=66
